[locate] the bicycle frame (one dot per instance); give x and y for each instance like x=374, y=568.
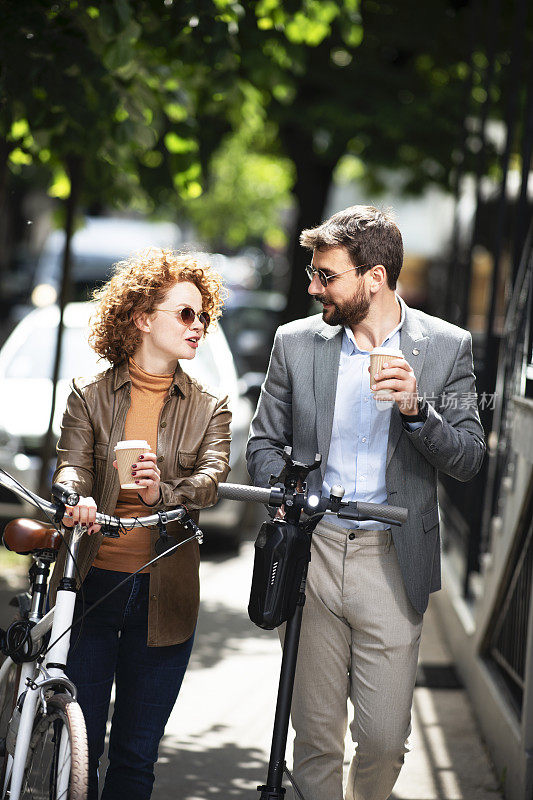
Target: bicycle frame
x=36, y=679
x=43, y=675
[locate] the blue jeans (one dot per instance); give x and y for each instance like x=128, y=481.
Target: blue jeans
x=112, y=646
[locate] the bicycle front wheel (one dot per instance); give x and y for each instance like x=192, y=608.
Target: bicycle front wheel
x=8, y=699
x=57, y=765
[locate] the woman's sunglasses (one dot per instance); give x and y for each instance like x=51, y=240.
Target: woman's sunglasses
x=187, y=316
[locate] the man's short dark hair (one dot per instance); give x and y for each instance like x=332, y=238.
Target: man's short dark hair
x=369, y=235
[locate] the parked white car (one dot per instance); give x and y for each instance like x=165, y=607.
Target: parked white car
x=98, y=244
x=26, y=364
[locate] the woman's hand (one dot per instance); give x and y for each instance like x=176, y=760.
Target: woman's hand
x=84, y=513
x=147, y=476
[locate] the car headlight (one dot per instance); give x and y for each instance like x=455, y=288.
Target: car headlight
x=44, y=294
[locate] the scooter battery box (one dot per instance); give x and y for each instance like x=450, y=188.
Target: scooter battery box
x=282, y=551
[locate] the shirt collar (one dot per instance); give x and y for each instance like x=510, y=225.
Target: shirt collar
x=349, y=338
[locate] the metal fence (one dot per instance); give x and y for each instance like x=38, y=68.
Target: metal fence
x=511, y=381
x=500, y=223
x=507, y=641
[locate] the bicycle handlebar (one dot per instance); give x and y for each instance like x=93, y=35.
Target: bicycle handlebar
x=112, y=526
x=356, y=510
x=64, y=494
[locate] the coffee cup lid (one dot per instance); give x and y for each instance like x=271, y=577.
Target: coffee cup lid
x=386, y=351
x=131, y=443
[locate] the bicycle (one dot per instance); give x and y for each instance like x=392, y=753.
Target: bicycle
x=43, y=742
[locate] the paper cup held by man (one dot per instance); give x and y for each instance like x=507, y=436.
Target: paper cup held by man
x=378, y=357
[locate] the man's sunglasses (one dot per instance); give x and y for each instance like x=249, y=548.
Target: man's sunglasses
x=187, y=316
x=323, y=277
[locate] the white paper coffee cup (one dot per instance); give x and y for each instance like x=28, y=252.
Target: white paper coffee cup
x=378, y=357
x=127, y=453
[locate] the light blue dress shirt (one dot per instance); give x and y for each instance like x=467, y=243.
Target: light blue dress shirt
x=358, y=448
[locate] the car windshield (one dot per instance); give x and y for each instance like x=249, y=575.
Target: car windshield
x=35, y=357
x=203, y=366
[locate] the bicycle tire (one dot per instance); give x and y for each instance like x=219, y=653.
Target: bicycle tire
x=43, y=770
x=8, y=699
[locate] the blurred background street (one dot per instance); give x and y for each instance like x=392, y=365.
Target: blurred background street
x=226, y=128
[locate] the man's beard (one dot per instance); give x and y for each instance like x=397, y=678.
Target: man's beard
x=349, y=312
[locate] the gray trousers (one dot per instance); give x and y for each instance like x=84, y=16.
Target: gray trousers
x=359, y=640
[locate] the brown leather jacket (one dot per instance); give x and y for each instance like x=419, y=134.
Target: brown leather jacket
x=193, y=455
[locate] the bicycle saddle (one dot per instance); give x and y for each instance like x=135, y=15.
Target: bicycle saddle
x=25, y=536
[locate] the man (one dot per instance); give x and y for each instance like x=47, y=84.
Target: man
x=368, y=585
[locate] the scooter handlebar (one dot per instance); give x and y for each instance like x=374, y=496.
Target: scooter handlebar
x=394, y=515
x=256, y=494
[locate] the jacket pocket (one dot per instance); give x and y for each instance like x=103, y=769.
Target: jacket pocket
x=430, y=519
x=186, y=462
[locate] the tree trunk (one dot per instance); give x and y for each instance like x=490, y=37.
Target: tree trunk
x=5, y=149
x=313, y=180
x=74, y=171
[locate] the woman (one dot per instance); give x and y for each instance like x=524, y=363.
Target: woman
x=153, y=312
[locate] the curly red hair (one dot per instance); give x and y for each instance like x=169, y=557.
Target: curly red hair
x=139, y=283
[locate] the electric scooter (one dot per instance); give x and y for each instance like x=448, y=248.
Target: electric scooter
x=282, y=555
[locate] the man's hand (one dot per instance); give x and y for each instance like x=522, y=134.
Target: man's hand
x=280, y=513
x=399, y=378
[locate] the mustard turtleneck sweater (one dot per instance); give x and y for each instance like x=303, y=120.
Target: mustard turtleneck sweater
x=148, y=393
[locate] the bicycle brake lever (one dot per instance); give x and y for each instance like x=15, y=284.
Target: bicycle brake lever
x=190, y=524
x=165, y=542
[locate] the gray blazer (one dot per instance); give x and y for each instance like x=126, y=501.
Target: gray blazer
x=298, y=401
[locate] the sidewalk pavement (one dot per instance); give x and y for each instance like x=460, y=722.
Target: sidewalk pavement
x=218, y=737
x=217, y=740
x=448, y=760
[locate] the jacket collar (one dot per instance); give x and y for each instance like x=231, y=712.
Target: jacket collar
x=329, y=331
x=180, y=382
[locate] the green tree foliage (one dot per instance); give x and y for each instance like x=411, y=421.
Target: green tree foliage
x=247, y=192
x=380, y=80
x=141, y=94
x=242, y=203
x=215, y=108
x=369, y=86
x=79, y=85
